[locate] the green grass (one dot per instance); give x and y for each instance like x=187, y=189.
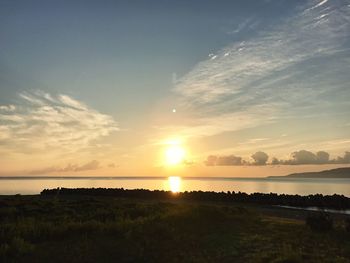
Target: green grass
x=85, y=229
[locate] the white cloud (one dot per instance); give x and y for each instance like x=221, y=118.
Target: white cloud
x=249, y=23
x=71, y=102
x=7, y=108
x=31, y=99
x=319, y=4
x=42, y=122
x=279, y=73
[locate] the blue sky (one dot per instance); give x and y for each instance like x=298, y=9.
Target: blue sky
x=102, y=77
x=118, y=47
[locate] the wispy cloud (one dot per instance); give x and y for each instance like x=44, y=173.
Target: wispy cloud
x=289, y=69
x=7, y=108
x=41, y=121
x=93, y=165
x=248, y=23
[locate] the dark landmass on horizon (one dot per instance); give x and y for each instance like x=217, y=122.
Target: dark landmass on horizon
x=343, y=172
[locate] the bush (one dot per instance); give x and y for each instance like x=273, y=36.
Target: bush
x=320, y=222
x=347, y=225
x=16, y=248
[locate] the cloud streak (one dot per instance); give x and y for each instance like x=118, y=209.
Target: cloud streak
x=272, y=75
x=41, y=121
x=93, y=165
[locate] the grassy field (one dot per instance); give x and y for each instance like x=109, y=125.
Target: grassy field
x=106, y=229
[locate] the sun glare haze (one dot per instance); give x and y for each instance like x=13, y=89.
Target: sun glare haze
x=175, y=154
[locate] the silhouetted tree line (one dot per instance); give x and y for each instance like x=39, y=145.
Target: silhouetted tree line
x=318, y=200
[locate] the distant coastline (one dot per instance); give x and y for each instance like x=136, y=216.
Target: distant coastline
x=339, y=173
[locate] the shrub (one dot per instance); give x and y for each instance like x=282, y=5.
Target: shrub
x=347, y=225
x=320, y=222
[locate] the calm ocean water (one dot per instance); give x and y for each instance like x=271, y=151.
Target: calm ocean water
x=35, y=185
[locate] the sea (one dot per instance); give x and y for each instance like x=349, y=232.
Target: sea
x=301, y=186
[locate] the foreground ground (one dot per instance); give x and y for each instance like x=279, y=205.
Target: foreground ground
x=107, y=229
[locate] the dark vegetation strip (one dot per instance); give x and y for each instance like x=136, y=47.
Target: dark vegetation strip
x=335, y=201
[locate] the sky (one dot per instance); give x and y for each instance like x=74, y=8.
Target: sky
x=239, y=88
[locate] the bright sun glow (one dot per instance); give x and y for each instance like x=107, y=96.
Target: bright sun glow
x=174, y=183
x=175, y=154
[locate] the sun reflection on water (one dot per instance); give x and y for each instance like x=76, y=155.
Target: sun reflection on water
x=174, y=183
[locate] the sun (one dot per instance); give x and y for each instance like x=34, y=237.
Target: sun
x=174, y=155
